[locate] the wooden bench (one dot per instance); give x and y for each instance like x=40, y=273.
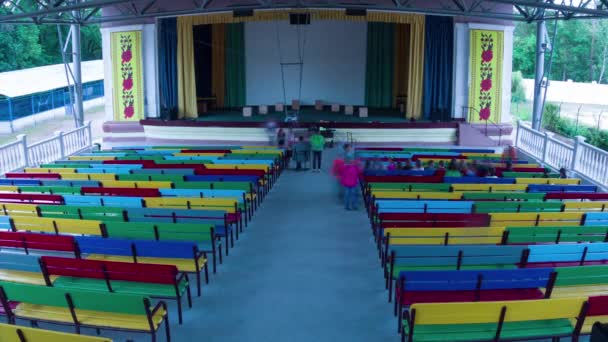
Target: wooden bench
x=415, y=287
x=554, y=234
x=184, y=255
x=42, y=242
x=536, y=219
x=59, y=226
x=203, y=234
x=159, y=281
x=495, y=321
x=14, y=333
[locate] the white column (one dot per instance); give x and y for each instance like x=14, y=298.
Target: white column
x=107, y=74
x=149, y=72
x=507, y=69
x=460, y=89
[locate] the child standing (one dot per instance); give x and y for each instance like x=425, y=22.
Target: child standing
x=350, y=180
x=317, y=144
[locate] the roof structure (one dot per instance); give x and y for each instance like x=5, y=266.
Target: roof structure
x=87, y=11
x=28, y=81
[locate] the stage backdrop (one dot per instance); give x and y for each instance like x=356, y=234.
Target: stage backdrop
x=486, y=75
x=334, y=61
x=127, y=75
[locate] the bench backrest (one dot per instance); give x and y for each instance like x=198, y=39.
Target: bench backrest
x=83, y=300
x=463, y=280
x=111, y=270
x=582, y=275
x=444, y=236
x=455, y=256
x=519, y=206
x=142, y=248
x=405, y=206
x=536, y=219
x=47, y=242
x=396, y=220
x=160, y=231
x=596, y=219
x=579, y=252
x=489, y=312
x=57, y=225
x=555, y=234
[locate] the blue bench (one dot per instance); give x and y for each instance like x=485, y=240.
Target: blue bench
x=189, y=258
x=104, y=201
x=221, y=178
x=81, y=183
x=471, y=286
x=424, y=206
x=115, y=170
x=451, y=257
x=561, y=188
x=596, y=219
x=399, y=173
x=567, y=253
x=19, y=182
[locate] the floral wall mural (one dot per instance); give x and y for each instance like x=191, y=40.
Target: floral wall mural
x=486, y=76
x=127, y=76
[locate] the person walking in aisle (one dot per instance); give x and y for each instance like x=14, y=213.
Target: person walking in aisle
x=317, y=144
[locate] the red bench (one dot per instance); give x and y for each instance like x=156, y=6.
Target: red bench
x=33, y=175
x=129, y=192
x=136, y=162
x=593, y=196
x=168, y=278
x=404, y=179
x=31, y=198
x=395, y=220
x=205, y=151
x=44, y=242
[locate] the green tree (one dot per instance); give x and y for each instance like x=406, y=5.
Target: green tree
x=20, y=47
x=518, y=92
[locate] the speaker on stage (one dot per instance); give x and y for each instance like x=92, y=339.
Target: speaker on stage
x=299, y=18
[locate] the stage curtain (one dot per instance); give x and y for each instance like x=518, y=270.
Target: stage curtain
x=186, y=81
x=379, y=66
x=316, y=14
x=438, y=53
x=202, y=60
x=416, y=69
x=167, y=65
x=402, y=42
x=235, y=95
x=218, y=61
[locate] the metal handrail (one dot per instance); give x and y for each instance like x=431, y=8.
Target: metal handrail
x=470, y=120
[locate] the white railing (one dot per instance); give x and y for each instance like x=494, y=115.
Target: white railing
x=581, y=158
x=19, y=154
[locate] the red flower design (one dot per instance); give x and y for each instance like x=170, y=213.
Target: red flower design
x=484, y=113
x=486, y=84
x=126, y=56
x=129, y=111
x=127, y=84
x=487, y=56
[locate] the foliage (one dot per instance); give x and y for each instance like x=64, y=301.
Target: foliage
x=27, y=46
x=567, y=127
x=518, y=92
x=580, y=50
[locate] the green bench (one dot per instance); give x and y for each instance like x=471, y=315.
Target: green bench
x=99, y=310
x=548, y=234
x=504, y=196
x=520, y=206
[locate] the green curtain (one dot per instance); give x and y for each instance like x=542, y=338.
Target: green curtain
x=380, y=65
x=235, y=95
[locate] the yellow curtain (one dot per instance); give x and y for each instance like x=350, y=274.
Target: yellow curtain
x=218, y=61
x=402, y=42
x=186, y=82
x=316, y=14
x=416, y=69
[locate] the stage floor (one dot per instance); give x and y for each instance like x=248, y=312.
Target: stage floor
x=307, y=115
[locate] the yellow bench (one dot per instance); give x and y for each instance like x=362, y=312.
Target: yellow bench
x=493, y=321
x=417, y=195
x=89, y=158
x=262, y=167
x=536, y=219
x=89, y=176
x=444, y=236
x=17, y=209
x=57, y=225
x=11, y=333
x=586, y=206
x=137, y=184
x=49, y=170
x=550, y=181
x=489, y=187
x=229, y=205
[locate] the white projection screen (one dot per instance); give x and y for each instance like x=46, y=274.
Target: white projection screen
x=333, y=69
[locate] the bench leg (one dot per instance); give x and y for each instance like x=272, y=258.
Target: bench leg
x=198, y=283
x=232, y=238
x=206, y=273
x=227, y=244
x=189, y=296
x=214, y=261
x=220, y=253
x=179, y=309
x=167, y=331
